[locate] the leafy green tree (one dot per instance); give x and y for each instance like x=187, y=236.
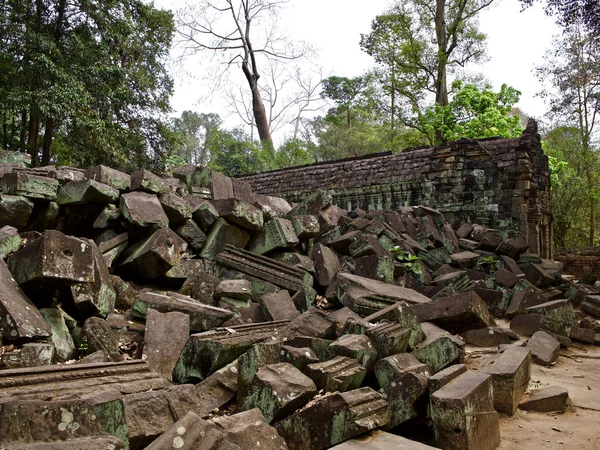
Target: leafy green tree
x=196, y=130
x=234, y=153
x=569, y=12
x=418, y=43
x=571, y=80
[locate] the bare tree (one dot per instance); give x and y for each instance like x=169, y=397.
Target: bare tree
x=240, y=32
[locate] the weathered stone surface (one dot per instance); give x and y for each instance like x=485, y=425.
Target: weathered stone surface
x=527, y=324
x=549, y=399
x=143, y=210
x=60, y=421
x=205, y=214
x=486, y=337
x=277, y=233
x=464, y=259
x=356, y=346
x=64, y=348
x=380, y=440
x=32, y=186
x=86, y=191
x=333, y=419
x=240, y=213
x=463, y=413
x=146, y=181
x=154, y=256
x=202, y=317
x=279, y=306
x=457, y=313
x=313, y=323
x=299, y=357
x=505, y=278
x=204, y=353
x=558, y=316
x=591, y=305
x=338, y=374
x=510, y=376
x=15, y=210
x=176, y=208
x=53, y=381
x=19, y=318
x=100, y=337
x=111, y=177
x=236, y=289
x=108, y=217
x=217, y=390
x=376, y=267
x=306, y=227
x=400, y=313
x=537, y=275
x=35, y=354
x=278, y=390
x=10, y=241
x=327, y=264
x=52, y=259
x=113, y=248
x=183, y=270
x=439, y=349
x=222, y=234
x=248, y=364
x=191, y=432
x=244, y=430
x=544, y=348
x=389, y=338
x=443, y=377
x=201, y=287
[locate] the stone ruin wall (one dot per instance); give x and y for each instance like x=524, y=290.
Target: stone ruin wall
x=499, y=183
x=581, y=262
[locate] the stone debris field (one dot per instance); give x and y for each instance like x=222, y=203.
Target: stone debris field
x=187, y=312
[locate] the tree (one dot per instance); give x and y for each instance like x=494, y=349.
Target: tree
x=419, y=42
x=234, y=154
x=571, y=77
x=570, y=12
x=196, y=131
x=89, y=76
x=227, y=28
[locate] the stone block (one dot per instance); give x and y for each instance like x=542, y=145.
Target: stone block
x=299, y=357
x=165, y=337
x=401, y=314
x=505, y=278
x=558, y=316
x=544, y=348
x=201, y=287
x=389, y=338
x=278, y=390
x=146, y=181
x=248, y=364
x=486, y=337
x=205, y=214
x=338, y=374
x=111, y=177
x=240, y=213
x=537, y=275
x=443, y=377
x=279, y=306
x=463, y=413
x=591, y=305
x=513, y=248
x=342, y=243
x=545, y=400
x=99, y=336
x=176, y=208
x=19, y=318
x=464, y=260
x=64, y=347
x=306, y=227
x=457, y=313
x=31, y=186
x=356, y=346
x=439, y=349
x=278, y=233
x=143, y=210
x=15, y=210
x=510, y=376
x=217, y=390
x=189, y=433
x=327, y=264
x=236, y=289
x=86, y=191
x=220, y=235
x=243, y=430
x=527, y=324
x=313, y=323
x=202, y=317
x=154, y=256
x=36, y=354
x=367, y=244
x=376, y=267
x=107, y=218
x=333, y=419
x=381, y=440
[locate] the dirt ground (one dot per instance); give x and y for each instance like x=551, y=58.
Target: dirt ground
x=578, y=370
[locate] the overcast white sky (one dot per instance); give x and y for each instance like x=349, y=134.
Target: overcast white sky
x=516, y=43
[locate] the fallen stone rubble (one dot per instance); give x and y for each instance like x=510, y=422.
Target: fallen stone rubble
x=187, y=312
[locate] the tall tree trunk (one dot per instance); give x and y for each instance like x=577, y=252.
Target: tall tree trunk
x=48, y=132
x=34, y=131
x=260, y=115
x=441, y=88
x=23, y=136
x=4, y=132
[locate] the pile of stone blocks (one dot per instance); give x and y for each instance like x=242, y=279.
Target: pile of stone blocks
x=142, y=310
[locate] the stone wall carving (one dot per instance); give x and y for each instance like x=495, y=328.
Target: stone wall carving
x=500, y=183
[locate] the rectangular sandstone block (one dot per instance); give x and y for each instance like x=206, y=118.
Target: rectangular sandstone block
x=510, y=377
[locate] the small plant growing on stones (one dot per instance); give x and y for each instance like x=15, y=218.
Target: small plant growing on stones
x=410, y=262
x=488, y=264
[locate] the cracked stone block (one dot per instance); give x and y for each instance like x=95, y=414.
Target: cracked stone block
x=248, y=429
x=439, y=349
x=299, y=357
x=31, y=186
x=111, y=177
x=279, y=306
x=306, y=227
x=86, y=191
x=202, y=317
x=146, y=181
x=240, y=213
x=205, y=214
x=277, y=233
x=176, y=208
x=338, y=374
x=443, y=377
x=191, y=233
x=164, y=338
x=19, y=318
x=389, y=338
x=463, y=413
x=100, y=337
x=356, y=346
x=59, y=421
x=221, y=234
x=52, y=260
x=278, y=390
x=327, y=264
x=15, y=210
x=544, y=348
x=403, y=381
x=457, y=313
x=143, y=210
x=333, y=419
x=510, y=377
x=61, y=338
x=154, y=256
x=205, y=353
x=545, y=400
x=583, y=335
